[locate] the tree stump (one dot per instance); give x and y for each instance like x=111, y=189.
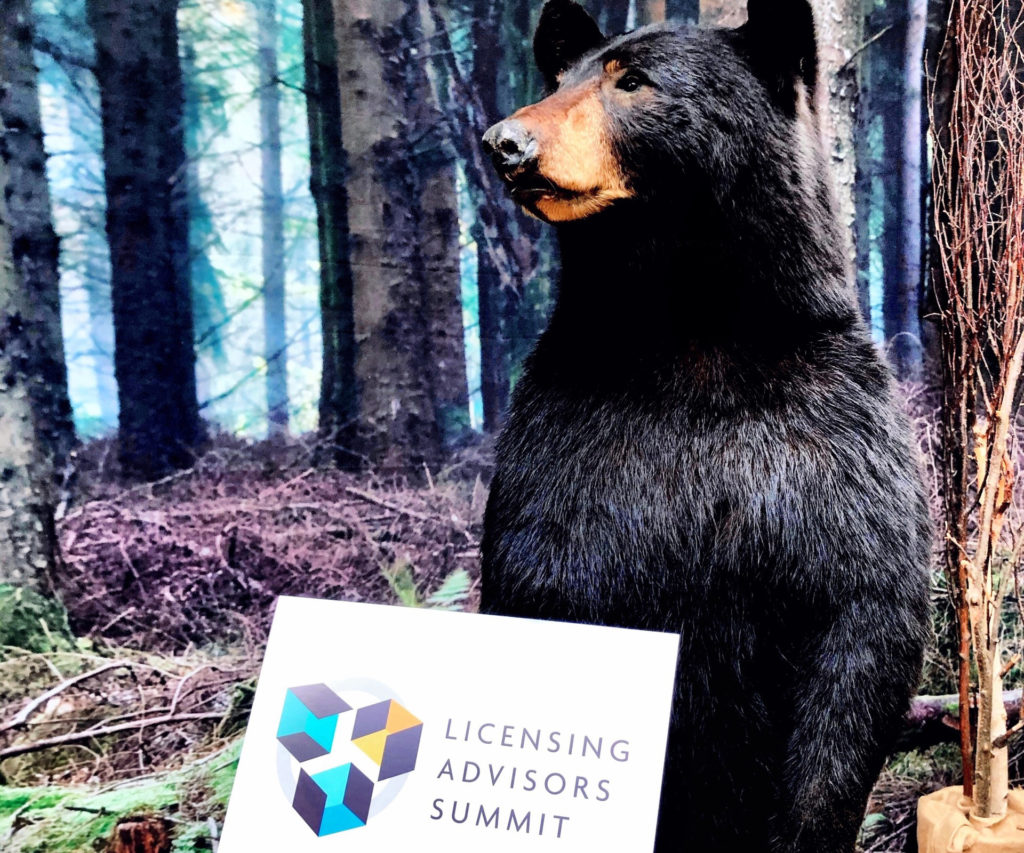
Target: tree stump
x=141, y=834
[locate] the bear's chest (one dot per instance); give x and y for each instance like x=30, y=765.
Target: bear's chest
x=606, y=507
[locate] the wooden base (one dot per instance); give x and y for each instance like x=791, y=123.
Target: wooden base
x=945, y=825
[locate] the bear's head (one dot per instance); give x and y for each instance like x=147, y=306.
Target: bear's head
x=667, y=113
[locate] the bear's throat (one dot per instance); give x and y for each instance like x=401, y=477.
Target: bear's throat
x=638, y=280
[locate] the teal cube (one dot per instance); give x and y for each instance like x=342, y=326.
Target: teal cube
x=335, y=800
x=309, y=720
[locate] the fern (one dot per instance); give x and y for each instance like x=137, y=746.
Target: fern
x=452, y=594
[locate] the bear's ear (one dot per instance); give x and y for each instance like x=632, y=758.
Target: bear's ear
x=564, y=34
x=782, y=41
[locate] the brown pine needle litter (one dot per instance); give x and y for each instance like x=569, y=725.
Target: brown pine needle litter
x=171, y=587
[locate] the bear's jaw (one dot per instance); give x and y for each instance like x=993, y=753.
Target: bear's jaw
x=544, y=199
x=568, y=205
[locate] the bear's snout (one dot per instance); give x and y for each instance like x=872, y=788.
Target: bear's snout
x=511, y=146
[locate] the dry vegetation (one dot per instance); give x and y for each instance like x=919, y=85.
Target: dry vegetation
x=200, y=557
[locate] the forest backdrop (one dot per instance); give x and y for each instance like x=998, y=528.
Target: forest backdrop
x=248, y=247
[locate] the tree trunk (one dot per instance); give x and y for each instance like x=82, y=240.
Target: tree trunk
x=840, y=35
x=494, y=349
x=611, y=15
x=401, y=216
x=940, y=70
x=520, y=83
x=439, y=244
x=650, y=12
x=863, y=190
x=912, y=181
x=526, y=301
x=840, y=30
x=899, y=238
x=34, y=243
x=101, y=329
x=84, y=252
x=683, y=10
x=141, y=834
x=274, y=334
x=653, y=11
x=139, y=75
x=27, y=536
x=489, y=60
x=210, y=314
x=339, y=402
x=723, y=13
x=992, y=763
x=932, y=720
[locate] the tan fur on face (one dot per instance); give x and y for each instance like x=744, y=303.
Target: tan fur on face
x=575, y=153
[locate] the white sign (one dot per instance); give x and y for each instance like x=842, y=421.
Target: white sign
x=390, y=729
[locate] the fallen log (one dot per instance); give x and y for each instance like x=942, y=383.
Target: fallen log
x=932, y=720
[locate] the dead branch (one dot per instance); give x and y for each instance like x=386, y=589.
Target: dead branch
x=103, y=731
x=400, y=510
x=22, y=716
x=932, y=720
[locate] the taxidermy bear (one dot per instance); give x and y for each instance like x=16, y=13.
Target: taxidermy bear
x=704, y=440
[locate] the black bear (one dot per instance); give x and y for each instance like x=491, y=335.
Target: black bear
x=704, y=440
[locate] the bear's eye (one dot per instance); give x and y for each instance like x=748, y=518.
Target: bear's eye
x=631, y=81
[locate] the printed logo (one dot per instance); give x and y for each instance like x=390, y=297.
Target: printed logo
x=346, y=757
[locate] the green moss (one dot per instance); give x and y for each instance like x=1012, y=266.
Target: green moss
x=192, y=839
x=219, y=775
x=50, y=821
x=69, y=820
x=31, y=621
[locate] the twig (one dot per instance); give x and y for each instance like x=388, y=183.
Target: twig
x=116, y=499
x=14, y=819
x=1005, y=737
x=181, y=686
x=102, y=731
x=101, y=812
x=359, y=493
x=881, y=33
x=131, y=567
x=22, y=716
x=1010, y=664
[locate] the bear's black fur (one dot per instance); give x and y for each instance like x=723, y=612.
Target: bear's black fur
x=705, y=440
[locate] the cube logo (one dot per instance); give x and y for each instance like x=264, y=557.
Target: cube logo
x=346, y=759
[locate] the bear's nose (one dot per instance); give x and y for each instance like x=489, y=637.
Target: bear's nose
x=511, y=146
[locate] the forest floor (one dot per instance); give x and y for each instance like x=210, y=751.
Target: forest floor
x=126, y=721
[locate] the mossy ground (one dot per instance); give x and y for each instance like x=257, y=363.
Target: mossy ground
x=32, y=622
x=72, y=820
